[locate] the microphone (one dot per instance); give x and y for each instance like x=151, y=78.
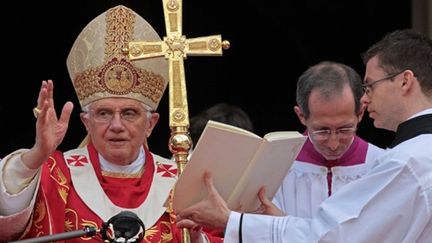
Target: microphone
x=123, y=227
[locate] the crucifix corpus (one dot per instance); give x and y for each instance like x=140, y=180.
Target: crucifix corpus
x=176, y=47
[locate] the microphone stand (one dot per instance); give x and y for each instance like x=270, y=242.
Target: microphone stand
x=87, y=232
x=125, y=226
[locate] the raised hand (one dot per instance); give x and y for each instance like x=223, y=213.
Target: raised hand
x=50, y=130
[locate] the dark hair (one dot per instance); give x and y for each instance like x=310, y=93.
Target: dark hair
x=405, y=50
x=229, y=114
x=330, y=78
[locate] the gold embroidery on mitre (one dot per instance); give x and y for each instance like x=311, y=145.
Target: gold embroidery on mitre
x=118, y=77
x=119, y=29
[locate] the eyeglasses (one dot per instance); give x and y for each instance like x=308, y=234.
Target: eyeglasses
x=367, y=87
x=127, y=114
x=341, y=133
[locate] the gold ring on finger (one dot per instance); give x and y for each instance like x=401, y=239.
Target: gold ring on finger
x=36, y=112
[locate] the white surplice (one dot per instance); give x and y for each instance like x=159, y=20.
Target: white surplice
x=307, y=185
x=392, y=203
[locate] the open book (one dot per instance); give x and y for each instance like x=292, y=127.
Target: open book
x=240, y=162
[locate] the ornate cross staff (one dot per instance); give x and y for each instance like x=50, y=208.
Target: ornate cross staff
x=176, y=47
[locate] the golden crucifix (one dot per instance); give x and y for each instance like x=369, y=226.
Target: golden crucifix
x=176, y=47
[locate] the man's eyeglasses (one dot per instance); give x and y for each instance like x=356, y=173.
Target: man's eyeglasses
x=367, y=87
x=324, y=134
x=107, y=115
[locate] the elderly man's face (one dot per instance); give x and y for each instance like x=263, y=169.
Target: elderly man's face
x=118, y=127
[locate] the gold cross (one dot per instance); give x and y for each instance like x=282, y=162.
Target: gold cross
x=176, y=47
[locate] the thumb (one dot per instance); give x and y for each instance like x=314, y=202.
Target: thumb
x=261, y=195
x=208, y=179
x=266, y=203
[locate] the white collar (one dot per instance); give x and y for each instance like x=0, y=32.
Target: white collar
x=131, y=168
x=423, y=112
x=89, y=189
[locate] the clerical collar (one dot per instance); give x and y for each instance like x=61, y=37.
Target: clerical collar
x=133, y=167
x=355, y=154
x=412, y=128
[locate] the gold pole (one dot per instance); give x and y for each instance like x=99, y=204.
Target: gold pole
x=176, y=47
x=180, y=141
x=179, y=145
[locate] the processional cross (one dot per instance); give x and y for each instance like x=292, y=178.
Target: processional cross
x=176, y=47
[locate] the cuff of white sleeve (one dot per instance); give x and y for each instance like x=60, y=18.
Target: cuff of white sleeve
x=16, y=175
x=232, y=228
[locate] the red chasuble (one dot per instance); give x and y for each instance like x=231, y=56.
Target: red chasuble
x=75, y=193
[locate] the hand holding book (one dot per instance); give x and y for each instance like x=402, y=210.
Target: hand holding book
x=240, y=162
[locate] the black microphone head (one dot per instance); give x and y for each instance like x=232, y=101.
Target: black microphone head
x=125, y=224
